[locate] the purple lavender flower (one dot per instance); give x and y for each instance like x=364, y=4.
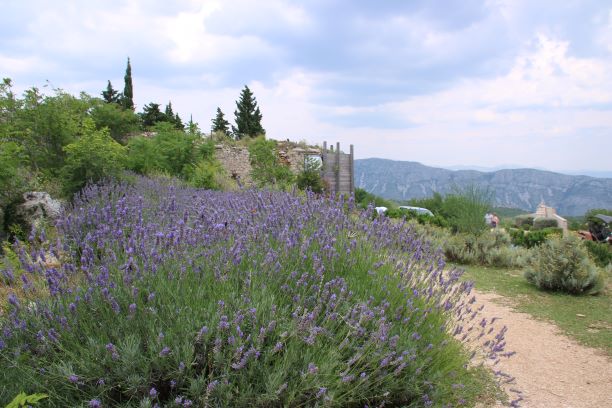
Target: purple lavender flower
x=153, y=392
x=94, y=403
x=165, y=351
x=73, y=378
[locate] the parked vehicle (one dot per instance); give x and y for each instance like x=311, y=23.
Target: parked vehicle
x=381, y=210
x=599, y=229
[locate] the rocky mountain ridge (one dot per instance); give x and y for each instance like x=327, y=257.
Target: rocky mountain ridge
x=517, y=188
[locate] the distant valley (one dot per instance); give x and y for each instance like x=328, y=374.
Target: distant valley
x=517, y=188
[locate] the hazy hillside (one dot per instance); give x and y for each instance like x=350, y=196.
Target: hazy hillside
x=518, y=188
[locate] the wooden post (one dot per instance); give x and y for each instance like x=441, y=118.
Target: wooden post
x=337, y=167
x=352, y=171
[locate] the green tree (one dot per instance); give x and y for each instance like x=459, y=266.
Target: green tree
x=310, y=177
x=266, y=167
x=127, y=99
x=111, y=95
x=247, y=116
x=219, y=124
x=92, y=157
x=151, y=115
x=120, y=122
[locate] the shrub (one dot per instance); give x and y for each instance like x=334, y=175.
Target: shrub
x=465, y=209
x=310, y=180
x=523, y=221
x=267, y=170
x=541, y=223
x=564, y=265
x=489, y=248
x=528, y=239
x=601, y=252
x=257, y=298
x=92, y=157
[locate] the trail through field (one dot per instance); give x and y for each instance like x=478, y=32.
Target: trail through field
x=551, y=370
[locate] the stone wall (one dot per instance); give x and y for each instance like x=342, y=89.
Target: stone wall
x=235, y=162
x=235, y=159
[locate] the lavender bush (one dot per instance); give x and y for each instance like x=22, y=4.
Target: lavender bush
x=160, y=295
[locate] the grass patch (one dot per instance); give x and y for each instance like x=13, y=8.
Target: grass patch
x=588, y=319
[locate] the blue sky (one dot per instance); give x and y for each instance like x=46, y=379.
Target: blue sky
x=470, y=82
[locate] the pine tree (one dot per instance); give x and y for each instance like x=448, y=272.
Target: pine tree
x=128, y=92
x=178, y=123
x=247, y=116
x=193, y=128
x=219, y=124
x=169, y=113
x=151, y=114
x=110, y=95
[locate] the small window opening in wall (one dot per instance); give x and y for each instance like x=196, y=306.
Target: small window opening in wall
x=313, y=162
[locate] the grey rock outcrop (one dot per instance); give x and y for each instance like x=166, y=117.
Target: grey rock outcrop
x=36, y=207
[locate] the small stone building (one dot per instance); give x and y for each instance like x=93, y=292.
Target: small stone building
x=545, y=212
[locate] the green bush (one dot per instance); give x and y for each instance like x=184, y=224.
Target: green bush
x=542, y=223
x=564, y=265
x=267, y=170
x=92, y=157
x=465, y=209
x=490, y=248
x=600, y=252
x=523, y=221
x=204, y=175
x=528, y=239
x=364, y=199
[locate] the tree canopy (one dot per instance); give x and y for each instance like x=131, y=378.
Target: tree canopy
x=247, y=116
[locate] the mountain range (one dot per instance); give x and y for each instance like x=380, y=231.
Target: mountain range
x=515, y=188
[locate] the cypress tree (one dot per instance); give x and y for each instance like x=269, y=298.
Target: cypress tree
x=247, y=116
x=128, y=91
x=151, y=114
x=110, y=95
x=219, y=124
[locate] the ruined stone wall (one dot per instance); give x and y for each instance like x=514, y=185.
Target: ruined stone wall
x=235, y=162
x=235, y=159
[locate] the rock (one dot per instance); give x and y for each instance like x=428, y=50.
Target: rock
x=36, y=207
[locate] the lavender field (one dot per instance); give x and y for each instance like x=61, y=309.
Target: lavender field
x=153, y=294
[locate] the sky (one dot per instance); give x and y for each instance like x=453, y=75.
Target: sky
x=484, y=83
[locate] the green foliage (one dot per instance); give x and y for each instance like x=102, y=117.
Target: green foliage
x=531, y=239
x=491, y=248
x=24, y=400
x=92, y=157
x=247, y=116
x=523, y=221
x=12, y=172
x=110, y=95
x=542, y=223
x=204, y=175
x=267, y=170
x=364, y=199
x=127, y=99
x=600, y=252
x=435, y=204
x=120, y=122
x=219, y=124
x=465, y=209
x=564, y=265
x=310, y=178
x=151, y=114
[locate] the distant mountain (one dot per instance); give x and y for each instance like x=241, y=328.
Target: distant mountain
x=516, y=188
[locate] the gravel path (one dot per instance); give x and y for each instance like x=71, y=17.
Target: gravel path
x=551, y=369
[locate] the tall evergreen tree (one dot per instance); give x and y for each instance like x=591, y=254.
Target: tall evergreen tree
x=219, y=124
x=128, y=91
x=247, y=116
x=178, y=123
x=169, y=113
x=151, y=114
x=110, y=95
x=193, y=128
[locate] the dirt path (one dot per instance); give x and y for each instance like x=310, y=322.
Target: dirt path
x=551, y=369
